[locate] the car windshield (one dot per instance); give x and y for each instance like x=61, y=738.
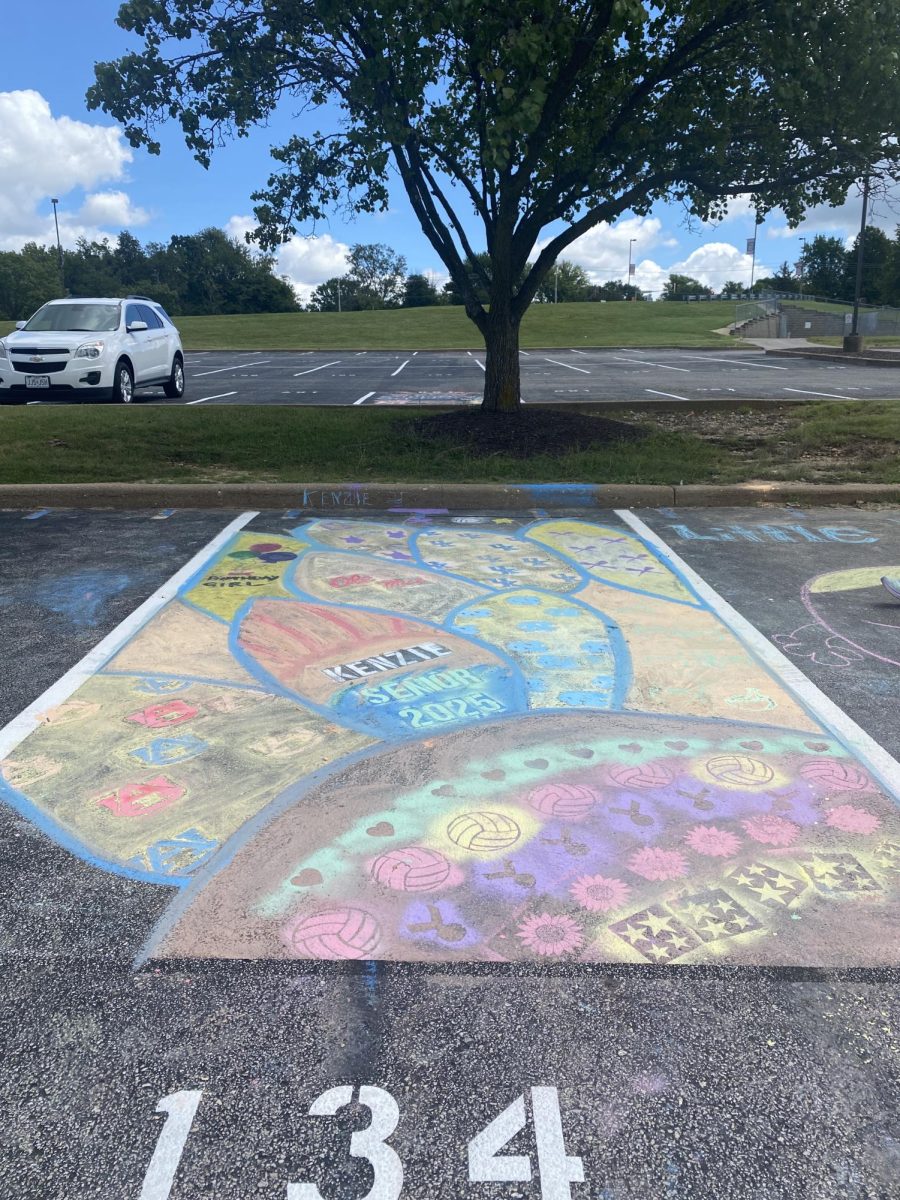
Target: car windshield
x=74, y=318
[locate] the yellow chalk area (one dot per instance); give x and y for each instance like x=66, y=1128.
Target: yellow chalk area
x=684, y=660
x=230, y=581
x=853, y=579
x=482, y=832
x=613, y=556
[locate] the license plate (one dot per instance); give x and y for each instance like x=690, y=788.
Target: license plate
x=37, y=381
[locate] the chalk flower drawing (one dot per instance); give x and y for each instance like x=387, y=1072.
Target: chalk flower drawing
x=547, y=934
x=852, y=820
x=713, y=842
x=599, y=894
x=653, y=863
x=771, y=830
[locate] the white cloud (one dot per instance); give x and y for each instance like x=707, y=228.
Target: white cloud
x=842, y=220
x=112, y=210
x=42, y=155
x=713, y=264
x=603, y=250
x=306, y=261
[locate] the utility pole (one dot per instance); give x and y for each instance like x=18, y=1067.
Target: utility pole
x=751, y=250
x=853, y=343
x=59, y=251
x=630, y=267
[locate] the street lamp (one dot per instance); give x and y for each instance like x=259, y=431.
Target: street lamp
x=62, y=275
x=556, y=284
x=802, y=266
x=630, y=267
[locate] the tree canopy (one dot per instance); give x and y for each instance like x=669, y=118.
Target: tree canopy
x=522, y=116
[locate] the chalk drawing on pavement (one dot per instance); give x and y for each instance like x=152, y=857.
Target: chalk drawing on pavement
x=415, y=740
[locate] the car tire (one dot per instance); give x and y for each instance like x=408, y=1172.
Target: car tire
x=174, y=389
x=123, y=383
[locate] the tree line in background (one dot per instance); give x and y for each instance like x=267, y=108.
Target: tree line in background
x=209, y=273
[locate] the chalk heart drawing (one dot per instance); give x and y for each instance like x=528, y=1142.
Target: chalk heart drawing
x=521, y=742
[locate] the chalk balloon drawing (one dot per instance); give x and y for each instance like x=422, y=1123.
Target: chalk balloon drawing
x=492, y=741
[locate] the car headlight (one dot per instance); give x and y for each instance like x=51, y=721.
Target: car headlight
x=89, y=350
x=3, y=353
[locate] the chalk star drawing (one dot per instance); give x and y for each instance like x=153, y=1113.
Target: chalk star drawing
x=424, y=741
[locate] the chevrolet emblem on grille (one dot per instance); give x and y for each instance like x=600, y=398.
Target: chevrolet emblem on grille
x=36, y=358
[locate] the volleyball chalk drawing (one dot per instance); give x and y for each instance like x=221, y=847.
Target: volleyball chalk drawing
x=336, y=933
x=563, y=800
x=853, y=606
x=483, y=832
x=415, y=740
x=413, y=869
x=740, y=770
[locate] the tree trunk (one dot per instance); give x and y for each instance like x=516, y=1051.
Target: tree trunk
x=501, y=378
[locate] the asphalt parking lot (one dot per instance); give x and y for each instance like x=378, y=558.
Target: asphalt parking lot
x=146, y=1056
x=552, y=376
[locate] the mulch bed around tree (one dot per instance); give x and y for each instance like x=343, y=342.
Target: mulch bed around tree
x=526, y=433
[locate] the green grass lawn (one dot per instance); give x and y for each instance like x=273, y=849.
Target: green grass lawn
x=448, y=328
x=833, y=442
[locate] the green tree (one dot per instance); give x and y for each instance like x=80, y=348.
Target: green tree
x=732, y=289
x=784, y=280
x=379, y=275
x=566, y=282
x=684, y=287
x=419, y=292
x=28, y=280
x=878, y=257
x=824, y=260
x=614, y=289
x=335, y=295
x=542, y=114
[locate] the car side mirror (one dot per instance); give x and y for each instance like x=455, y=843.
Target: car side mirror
x=137, y=327
x=20, y=324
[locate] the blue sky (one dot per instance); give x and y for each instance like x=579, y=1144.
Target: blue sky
x=50, y=145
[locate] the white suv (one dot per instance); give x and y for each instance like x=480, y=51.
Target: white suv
x=92, y=349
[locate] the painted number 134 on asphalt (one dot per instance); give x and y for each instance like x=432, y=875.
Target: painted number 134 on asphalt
x=555, y=1170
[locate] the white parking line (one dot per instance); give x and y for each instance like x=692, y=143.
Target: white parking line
x=670, y=395
x=526, y=353
x=579, y=352
x=567, y=365
x=480, y=363
x=743, y=362
x=363, y=398
x=827, y=395
x=204, y=399
x=31, y=717
x=309, y=370
x=646, y=362
x=786, y=672
x=399, y=369
x=233, y=367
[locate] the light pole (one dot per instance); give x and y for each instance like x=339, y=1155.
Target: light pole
x=802, y=266
x=556, y=284
x=630, y=267
x=854, y=343
x=339, y=293
x=59, y=254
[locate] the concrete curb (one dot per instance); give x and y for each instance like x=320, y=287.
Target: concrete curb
x=412, y=497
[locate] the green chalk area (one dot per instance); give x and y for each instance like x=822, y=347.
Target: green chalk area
x=545, y=326
x=822, y=442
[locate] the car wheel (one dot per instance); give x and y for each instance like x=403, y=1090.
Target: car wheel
x=123, y=384
x=174, y=389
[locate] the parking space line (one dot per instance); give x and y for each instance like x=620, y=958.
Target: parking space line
x=480, y=363
x=646, y=362
x=568, y=366
x=670, y=395
x=363, y=398
x=399, y=369
x=219, y=396
x=882, y=764
x=579, y=352
x=743, y=362
x=234, y=367
x=309, y=370
x=30, y=718
x=826, y=395
x=526, y=353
